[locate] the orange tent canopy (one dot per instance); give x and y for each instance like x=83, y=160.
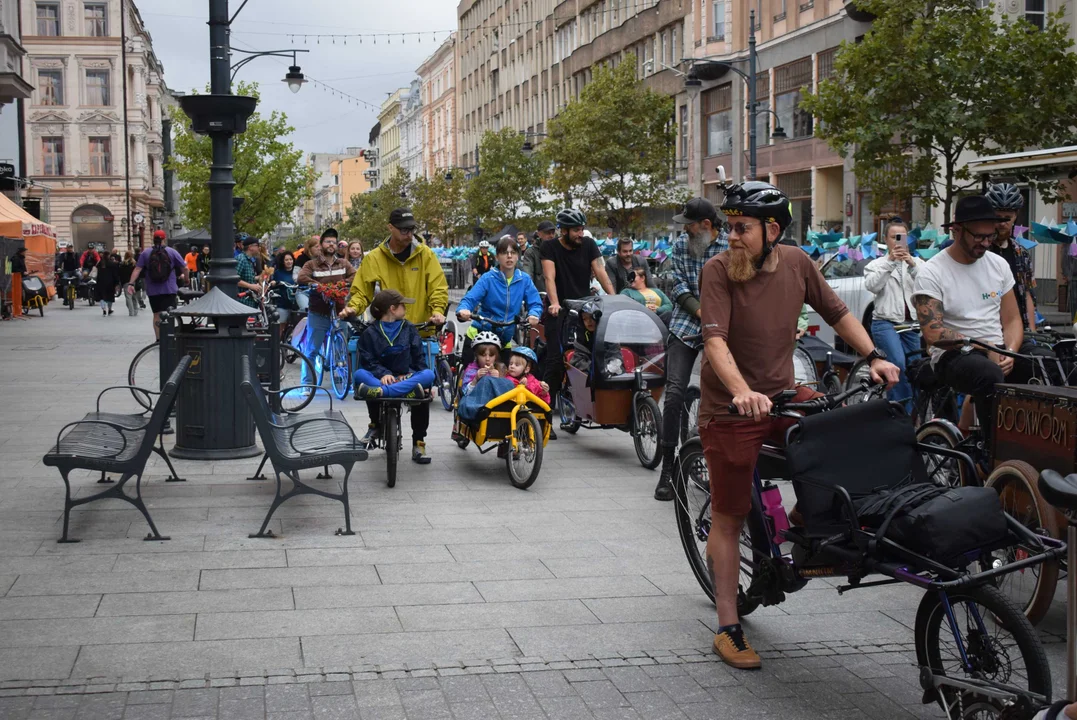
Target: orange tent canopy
x=38, y=236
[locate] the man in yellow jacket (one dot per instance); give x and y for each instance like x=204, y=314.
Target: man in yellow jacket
x=404, y=264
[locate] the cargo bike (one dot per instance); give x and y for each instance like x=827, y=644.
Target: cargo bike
x=873, y=510
x=613, y=350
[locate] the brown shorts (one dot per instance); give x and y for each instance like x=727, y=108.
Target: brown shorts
x=732, y=447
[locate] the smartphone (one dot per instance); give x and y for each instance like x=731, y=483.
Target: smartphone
x=899, y=243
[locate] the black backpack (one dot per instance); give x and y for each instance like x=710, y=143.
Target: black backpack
x=159, y=265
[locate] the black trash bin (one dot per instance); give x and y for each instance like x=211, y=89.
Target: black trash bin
x=212, y=418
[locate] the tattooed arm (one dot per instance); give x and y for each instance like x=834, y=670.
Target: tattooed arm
x=930, y=313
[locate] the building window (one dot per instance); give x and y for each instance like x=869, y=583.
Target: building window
x=50, y=87
x=96, y=20
x=48, y=19
x=1036, y=13
x=718, y=117
x=52, y=155
x=762, y=101
x=788, y=81
x=100, y=156
x=826, y=64
x=97, y=91
x=780, y=14
x=718, y=13
x=684, y=132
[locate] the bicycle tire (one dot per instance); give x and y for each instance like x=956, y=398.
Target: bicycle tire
x=938, y=404
x=528, y=434
x=446, y=384
x=145, y=372
x=954, y=473
x=997, y=613
x=691, y=484
x=1016, y=483
x=570, y=423
x=860, y=370
x=647, y=428
x=339, y=365
x=291, y=375
x=690, y=414
x=70, y=295
x=391, y=434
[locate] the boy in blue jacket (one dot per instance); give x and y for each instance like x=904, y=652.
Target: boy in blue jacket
x=500, y=294
x=393, y=365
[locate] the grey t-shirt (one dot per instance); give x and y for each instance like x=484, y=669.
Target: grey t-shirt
x=971, y=295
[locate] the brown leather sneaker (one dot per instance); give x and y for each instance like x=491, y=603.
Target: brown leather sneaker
x=740, y=656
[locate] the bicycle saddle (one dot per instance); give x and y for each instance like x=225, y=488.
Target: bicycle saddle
x=1059, y=491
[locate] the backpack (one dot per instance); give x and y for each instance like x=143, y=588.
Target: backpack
x=159, y=265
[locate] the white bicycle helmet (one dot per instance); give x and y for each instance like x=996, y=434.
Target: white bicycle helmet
x=486, y=338
x=484, y=244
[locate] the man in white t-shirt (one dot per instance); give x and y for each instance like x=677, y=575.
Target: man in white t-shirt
x=967, y=292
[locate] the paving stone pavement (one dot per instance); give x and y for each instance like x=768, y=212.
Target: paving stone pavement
x=459, y=596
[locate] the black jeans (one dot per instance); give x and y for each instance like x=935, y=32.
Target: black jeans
x=680, y=359
x=555, y=365
x=976, y=374
x=420, y=418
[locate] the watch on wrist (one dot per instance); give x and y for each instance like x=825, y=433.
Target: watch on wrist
x=876, y=354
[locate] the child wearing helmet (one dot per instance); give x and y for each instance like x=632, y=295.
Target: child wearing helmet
x=487, y=347
x=521, y=361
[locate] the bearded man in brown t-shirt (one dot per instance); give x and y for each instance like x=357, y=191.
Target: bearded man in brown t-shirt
x=750, y=299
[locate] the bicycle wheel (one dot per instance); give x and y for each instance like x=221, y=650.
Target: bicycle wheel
x=569, y=422
x=391, y=435
x=804, y=370
x=1031, y=589
x=647, y=433
x=691, y=484
x=69, y=297
x=339, y=365
x=998, y=640
x=937, y=405
x=858, y=373
x=291, y=376
x=145, y=372
x=446, y=383
x=690, y=415
x=943, y=470
x=525, y=461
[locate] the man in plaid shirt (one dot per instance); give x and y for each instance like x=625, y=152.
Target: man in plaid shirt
x=705, y=240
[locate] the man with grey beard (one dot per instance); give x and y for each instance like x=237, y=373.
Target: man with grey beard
x=704, y=241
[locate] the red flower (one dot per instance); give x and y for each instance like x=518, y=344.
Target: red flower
x=336, y=293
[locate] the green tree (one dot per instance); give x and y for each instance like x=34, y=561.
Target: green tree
x=368, y=213
x=613, y=148
x=509, y=183
x=933, y=80
x=439, y=206
x=269, y=171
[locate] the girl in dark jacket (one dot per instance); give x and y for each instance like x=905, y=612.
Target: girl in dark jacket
x=108, y=281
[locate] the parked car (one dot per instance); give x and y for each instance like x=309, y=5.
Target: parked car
x=846, y=277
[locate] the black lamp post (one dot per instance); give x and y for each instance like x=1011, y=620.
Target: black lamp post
x=528, y=147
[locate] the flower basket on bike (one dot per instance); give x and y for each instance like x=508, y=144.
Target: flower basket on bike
x=615, y=372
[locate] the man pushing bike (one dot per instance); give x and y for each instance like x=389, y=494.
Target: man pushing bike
x=750, y=299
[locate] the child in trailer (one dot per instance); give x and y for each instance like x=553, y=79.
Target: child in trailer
x=391, y=356
x=487, y=349
x=521, y=362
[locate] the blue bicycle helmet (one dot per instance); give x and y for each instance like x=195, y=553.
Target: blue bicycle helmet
x=525, y=352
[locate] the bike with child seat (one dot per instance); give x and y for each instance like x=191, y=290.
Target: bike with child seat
x=615, y=373
x=1008, y=465
x=451, y=365
x=866, y=512
x=389, y=414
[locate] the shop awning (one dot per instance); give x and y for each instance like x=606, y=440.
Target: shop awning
x=16, y=222
x=1049, y=164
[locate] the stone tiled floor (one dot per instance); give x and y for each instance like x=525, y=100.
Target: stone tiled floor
x=449, y=573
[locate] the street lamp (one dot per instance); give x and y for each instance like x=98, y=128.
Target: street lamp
x=528, y=147
x=294, y=77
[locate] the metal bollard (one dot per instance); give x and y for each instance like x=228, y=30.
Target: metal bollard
x=274, y=358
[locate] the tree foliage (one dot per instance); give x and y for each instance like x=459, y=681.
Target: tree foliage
x=269, y=171
x=368, y=213
x=613, y=148
x=933, y=80
x=440, y=207
x=509, y=183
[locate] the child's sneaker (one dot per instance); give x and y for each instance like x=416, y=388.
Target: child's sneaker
x=373, y=435
x=418, y=453
x=367, y=392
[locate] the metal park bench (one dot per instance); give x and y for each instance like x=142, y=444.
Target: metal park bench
x=115, y=443
x=294, y=442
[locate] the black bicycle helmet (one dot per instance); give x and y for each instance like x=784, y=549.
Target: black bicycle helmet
x=570, y=218
x=759, y=200
x=1005, y=196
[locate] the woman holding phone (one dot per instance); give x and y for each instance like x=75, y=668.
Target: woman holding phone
x=891, y=279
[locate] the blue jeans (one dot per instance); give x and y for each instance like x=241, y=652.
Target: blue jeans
x=317, y=328
x=397, y=389
x=896, y=347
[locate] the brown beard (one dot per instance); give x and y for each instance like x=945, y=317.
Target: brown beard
x=741, y=265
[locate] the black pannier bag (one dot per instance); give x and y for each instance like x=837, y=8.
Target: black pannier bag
x=937, y=522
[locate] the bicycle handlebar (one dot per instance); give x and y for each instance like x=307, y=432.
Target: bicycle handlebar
x=783, y=407
x=970, y=342
x=493, y=323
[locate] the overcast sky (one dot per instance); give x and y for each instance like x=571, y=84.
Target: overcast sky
x=367, y=71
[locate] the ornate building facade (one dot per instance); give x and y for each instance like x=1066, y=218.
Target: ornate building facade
x=77, y=144
x=437, y=76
